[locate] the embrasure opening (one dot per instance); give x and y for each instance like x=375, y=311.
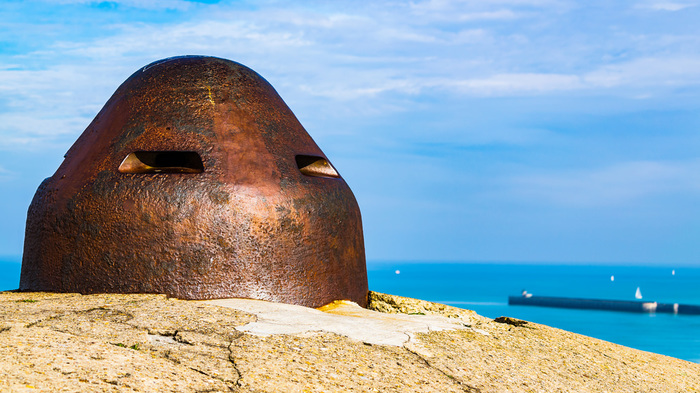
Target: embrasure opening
x=162, y=162
x=315, y=166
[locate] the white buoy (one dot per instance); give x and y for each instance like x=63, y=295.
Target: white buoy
x=612, y=278
x=398, y=272
x=673, y=272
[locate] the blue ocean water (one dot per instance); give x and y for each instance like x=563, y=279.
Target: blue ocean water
x=485, y=288
x=9, y=272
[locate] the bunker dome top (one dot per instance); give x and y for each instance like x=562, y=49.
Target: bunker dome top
x=196, y=180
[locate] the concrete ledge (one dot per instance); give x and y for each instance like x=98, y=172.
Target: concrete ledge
x=129, y=343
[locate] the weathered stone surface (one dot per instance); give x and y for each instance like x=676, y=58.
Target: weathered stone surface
x=341, y=317
x=125, y=343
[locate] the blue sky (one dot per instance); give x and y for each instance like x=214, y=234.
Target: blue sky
x=503, y=130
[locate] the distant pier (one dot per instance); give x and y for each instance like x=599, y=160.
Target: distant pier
x=603, y=304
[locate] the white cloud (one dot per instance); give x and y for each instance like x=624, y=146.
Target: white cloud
x=503, y=14
x=645, y=72
x=50, y=107
x=6, y=174
x=182, y=5
x=665, y=5
x=450, y=6
x=517, y=83
x=199, y=37
x=639, y=73
x=32, y=127
x=617, y=184
x=364, y=60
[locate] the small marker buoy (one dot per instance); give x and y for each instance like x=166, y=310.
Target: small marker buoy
x=398, y=272
x=612, y=278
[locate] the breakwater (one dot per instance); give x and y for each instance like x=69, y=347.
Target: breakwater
x=604, y=304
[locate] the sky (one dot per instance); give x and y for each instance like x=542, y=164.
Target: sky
x=548, y=131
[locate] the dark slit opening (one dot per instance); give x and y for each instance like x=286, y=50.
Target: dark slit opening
x=315, y=166
x=162, y=162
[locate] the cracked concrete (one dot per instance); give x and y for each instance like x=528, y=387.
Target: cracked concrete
x=130, y=343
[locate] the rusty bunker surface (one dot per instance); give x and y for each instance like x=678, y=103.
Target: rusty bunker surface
x=197, y=181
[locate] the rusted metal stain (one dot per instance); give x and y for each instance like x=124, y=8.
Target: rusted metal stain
x=196, y=180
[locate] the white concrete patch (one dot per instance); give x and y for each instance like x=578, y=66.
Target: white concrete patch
x=347, y=319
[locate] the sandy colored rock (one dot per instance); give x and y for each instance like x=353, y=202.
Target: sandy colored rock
x=125, y=343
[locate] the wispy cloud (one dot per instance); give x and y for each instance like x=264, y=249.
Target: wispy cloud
x=369, y=60
x=5, y=174
x=648, y=72
x=618, y=184
x=666, y=5
x=469, y=10
x=507, y=84
x=143, y=4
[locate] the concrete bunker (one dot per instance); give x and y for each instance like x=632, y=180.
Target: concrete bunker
x=196, y=180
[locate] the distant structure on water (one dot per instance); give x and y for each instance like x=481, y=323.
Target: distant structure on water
x=602, y=304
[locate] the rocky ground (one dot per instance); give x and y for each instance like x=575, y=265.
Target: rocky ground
x=124, y=343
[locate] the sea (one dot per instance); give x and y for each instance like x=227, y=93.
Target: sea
x=485, y=287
